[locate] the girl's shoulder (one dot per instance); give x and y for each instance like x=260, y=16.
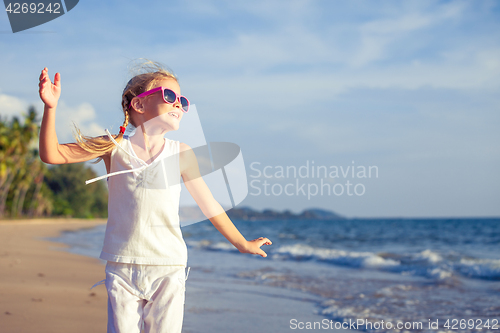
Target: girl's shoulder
x=183, y=147
x=186, y=154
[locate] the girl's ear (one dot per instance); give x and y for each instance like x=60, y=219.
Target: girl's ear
x=137, y=105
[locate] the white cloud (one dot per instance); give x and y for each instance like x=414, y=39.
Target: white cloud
x=12, y=106
x=83, y=116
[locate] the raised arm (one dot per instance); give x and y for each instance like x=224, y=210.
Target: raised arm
x=50, y=150
x=211, y=208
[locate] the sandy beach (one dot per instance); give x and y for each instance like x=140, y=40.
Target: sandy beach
x=45, y=290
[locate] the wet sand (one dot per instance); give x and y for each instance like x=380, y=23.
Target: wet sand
x=43, y=289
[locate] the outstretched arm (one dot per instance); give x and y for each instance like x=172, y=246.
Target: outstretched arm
x=50, y=150
x=211, y=208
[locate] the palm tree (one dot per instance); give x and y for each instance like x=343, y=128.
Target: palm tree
x=28, y=165
x=23, y=177
x=36, y=200
x=16, y=155
x=12, y=150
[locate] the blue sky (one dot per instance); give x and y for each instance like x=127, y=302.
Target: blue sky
x=411, y=87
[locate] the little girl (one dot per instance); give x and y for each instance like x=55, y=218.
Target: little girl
x=143, y=246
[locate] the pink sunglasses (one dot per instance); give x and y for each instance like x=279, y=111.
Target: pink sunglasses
x=169, y=96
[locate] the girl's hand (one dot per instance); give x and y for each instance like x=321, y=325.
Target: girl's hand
x=253, y=246
x=49, y=93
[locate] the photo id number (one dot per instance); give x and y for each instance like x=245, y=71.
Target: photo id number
x=38, y=8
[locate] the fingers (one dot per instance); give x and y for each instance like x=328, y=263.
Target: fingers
x=262, y=253
x=57, y=80
x=42, y=74
x=44, y=77
x=262, y=241
x=265, y=241
x=256, y=244
x=42, y=80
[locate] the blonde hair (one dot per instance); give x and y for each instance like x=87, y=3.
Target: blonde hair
x=146, y=74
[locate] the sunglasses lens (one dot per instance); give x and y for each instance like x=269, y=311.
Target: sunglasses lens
x=169, y=95
x=185, y=104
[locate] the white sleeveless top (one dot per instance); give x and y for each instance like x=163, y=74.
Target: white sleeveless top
x=143, y=208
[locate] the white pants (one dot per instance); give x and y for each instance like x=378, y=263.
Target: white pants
x=148, y=296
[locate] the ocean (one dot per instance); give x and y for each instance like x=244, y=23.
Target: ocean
x=441, y=273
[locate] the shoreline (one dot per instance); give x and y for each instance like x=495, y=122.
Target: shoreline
x=224, y=292
x=44, y=288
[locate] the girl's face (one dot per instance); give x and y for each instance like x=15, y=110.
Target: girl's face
x=155, y=109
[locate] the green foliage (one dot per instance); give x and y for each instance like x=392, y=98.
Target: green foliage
x=71, y=196
x=29, y=188
x=20, y=166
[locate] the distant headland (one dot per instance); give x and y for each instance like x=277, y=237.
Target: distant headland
x=249, y=214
